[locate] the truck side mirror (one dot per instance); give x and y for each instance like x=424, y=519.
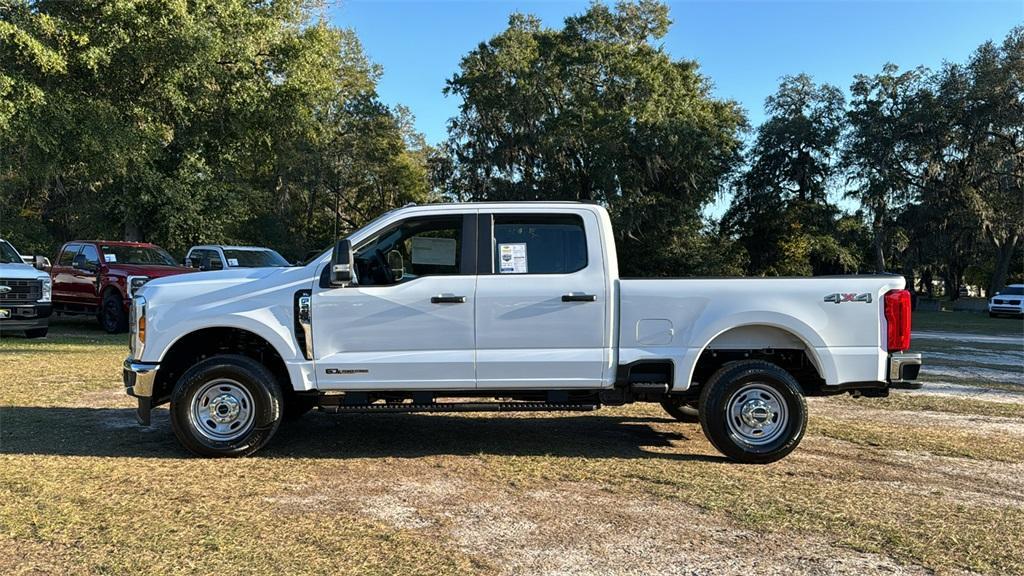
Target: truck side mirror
x=39, y=262
x=79, y=262
x=341, y=263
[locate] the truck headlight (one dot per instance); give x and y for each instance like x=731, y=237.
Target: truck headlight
x=134, y=283
x=47, y=290
x=137, y=326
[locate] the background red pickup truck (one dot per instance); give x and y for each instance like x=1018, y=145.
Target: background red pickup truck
x=97, y=277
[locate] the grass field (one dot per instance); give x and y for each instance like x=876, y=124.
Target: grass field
x=910, y=484
x=968, y=323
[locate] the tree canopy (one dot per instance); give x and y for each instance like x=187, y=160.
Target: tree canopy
x=233, y=121
x=184, y=122
x=596, y=112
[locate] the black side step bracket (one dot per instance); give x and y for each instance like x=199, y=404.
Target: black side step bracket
x=393, y=407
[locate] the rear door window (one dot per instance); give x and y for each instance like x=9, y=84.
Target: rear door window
x=539, y=244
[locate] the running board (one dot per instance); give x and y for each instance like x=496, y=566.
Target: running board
x=458, y=407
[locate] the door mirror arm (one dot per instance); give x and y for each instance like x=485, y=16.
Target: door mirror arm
x=341, y=264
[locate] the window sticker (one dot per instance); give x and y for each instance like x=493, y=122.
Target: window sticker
x=110, y=257
x=433, y=251
x=233, y=262
x=512, y=258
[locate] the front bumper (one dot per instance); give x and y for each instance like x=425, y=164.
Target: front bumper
x=139, y=378
x=903, y=370
x=17, y=317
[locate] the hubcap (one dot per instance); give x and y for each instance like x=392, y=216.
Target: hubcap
x=222, y=410
x=757, y=414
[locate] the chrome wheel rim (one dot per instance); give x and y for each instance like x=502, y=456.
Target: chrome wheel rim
x=222, y=410
x=757, y=414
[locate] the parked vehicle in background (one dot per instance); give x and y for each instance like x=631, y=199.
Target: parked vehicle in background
x=97, y=277
x=519, y=303
x=218, y=257
x=38, y=262
x=25, y=295
x=1007, y=302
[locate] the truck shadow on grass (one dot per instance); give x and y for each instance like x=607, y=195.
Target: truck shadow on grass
x=113, y=432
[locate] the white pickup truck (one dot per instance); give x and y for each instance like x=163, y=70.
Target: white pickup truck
x=506, y=307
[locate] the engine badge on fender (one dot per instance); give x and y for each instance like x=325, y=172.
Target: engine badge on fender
x=840, y=298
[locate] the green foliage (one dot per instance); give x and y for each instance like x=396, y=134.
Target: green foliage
x=184, y=122
x=781, y=211
x=596, y=112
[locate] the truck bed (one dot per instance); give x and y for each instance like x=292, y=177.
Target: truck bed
x=837, y=320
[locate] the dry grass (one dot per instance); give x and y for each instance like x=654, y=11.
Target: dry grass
x=916, y=402
x=918, y=481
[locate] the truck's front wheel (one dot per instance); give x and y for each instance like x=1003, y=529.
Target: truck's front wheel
x=226, y=405
x=753, y=412
x=112, y=315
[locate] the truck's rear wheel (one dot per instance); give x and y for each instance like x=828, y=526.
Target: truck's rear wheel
x=226, y=405
x=753, y=411
x=683, y=410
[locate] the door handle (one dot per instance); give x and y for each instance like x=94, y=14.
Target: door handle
x=447, y=299
x=578, y=297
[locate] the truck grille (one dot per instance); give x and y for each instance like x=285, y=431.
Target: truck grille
x=20, y=291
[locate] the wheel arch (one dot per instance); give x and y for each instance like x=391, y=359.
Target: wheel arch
x=111, y=287
x=194, y=346
x=763, y=332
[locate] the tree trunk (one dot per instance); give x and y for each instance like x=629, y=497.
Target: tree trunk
x=879, y=252
x=1004, y=256
x=132, y=232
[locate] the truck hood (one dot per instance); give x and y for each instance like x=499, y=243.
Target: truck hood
x=145, y=270
x=21, y=272
x=207, y=289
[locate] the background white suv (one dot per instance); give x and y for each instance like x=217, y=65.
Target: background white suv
x=1009, y=301
x=217, y=257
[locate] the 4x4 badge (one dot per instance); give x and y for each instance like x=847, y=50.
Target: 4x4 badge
x=839, y=298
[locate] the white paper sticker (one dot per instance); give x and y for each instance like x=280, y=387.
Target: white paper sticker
x=434, y=251
x=110, y=257
x=512, y=258
x=232, y=261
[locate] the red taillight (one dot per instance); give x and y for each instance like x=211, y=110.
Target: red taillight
x=897, y=318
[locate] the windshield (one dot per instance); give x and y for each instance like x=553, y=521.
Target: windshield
x=253, y=258
x=1012, y=291
x=143, y=255
x=8, y=255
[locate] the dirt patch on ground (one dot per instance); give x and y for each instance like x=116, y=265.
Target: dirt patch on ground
x=580, y=528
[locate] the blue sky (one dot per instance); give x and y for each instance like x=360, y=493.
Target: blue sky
x=744, y=47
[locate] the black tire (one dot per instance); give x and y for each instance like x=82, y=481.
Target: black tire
x=683, y=410
x=36, y=332
x=113, y=316
x=252, y=387
x=760, y=383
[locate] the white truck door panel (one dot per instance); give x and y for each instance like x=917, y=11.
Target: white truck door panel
x=395, y=337
x=408, y=323
x=528, y=335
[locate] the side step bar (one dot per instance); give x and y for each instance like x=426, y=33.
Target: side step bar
x=395, y=407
